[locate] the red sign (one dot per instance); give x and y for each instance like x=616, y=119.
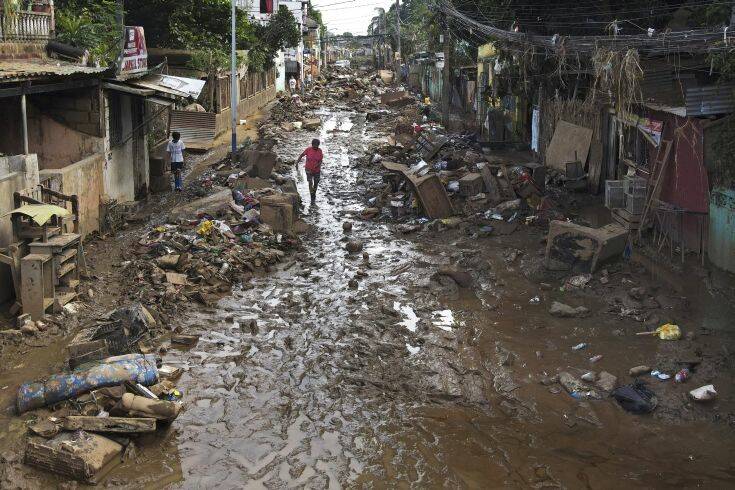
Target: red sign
x=135, y=54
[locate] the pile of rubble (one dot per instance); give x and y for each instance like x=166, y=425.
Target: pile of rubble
x=84, y=421
x=295, y=112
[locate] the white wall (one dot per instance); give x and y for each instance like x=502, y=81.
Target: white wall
x=119, y=175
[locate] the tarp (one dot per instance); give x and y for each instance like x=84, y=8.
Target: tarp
x=40, y=213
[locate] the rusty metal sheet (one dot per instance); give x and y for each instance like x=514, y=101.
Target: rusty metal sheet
x=716, y=99
x=194, y=126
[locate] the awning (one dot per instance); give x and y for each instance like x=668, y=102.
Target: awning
x=40, y=213
x=166, y=86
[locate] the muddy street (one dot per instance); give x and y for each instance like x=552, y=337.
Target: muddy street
x=344, y=369
x=518, y=270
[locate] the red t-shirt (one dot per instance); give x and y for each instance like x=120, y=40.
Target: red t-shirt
x=314, y=157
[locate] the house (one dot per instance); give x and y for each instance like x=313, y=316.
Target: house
x=289, y=62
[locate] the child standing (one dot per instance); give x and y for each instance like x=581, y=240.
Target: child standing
x=175, y=150
x=314, y=158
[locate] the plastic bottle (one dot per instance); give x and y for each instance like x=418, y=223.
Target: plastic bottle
x=579, y=346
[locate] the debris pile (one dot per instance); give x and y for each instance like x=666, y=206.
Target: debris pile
x=222, y=243
x=84, y=421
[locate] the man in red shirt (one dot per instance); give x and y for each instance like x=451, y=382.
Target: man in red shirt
x=314, y=157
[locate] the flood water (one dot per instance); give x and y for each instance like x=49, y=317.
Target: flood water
x=300, y=381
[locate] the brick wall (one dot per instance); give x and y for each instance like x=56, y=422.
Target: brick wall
x=80, y=109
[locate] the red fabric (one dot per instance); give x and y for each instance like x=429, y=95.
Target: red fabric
x=314, y=157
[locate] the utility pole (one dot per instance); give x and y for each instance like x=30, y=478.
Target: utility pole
x=447, y=80
x=399, y=53
x=233, y=87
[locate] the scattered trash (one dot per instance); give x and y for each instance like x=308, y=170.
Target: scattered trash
x=635, y=398
x=682, y=376
x=596, y=359
x=660, y=375
x=580, y=346
x=665, y=332
x=589, y=377
x=138, y=406
x=703, y=394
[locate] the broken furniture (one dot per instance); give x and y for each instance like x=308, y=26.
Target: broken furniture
x=428, y=189
x=48, y=275
x=79, y=455
x=580, y=248
x=429, y=145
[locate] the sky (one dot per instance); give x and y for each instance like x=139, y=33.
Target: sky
x=349, y=15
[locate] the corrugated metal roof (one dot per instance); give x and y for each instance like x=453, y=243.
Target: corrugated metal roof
x=34, y=69
x=178, y=86
x=712, y=100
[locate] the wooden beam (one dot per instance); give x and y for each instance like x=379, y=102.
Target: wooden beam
x=128, y=89
x=122, y=425
x=48, y=87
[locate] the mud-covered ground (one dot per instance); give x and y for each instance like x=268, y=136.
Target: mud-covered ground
x=301, y=380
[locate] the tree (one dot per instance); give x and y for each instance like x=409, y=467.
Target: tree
x=91, y=25
x=204, y=26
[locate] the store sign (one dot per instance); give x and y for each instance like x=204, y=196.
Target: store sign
x=135, y=54
x=650, y=128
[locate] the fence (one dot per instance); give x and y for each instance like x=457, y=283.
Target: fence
x=25, y=26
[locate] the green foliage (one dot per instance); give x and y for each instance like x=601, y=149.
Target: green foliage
x=91, y=25
x=204, y=26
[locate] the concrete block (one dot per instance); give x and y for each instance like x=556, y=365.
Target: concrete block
x=582, y=249
x=261, y=163
x=277, y=212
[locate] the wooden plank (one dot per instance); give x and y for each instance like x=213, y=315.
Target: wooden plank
x=119, y=425
x=570, y=143
x=595, y=167
x=662, y=165
x=491, y=184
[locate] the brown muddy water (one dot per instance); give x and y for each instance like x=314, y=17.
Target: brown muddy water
x=299, y=381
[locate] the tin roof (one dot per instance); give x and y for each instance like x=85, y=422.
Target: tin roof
x=40, y=68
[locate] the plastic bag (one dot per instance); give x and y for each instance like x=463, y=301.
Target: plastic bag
x=669, y=332
x=635, y=398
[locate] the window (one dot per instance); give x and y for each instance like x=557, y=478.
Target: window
x=266, y=6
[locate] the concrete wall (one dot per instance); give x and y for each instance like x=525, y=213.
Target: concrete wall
x=246, y=108
x=85, y=179
x=56, y=144
x=16, y=173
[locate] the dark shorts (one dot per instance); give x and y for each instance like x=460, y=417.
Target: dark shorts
x=176, y=166
x=313, y=179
